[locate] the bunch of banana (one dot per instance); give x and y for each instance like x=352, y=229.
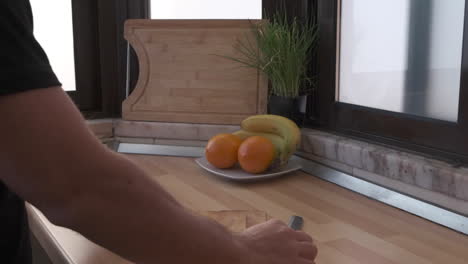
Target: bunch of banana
x=282, y=132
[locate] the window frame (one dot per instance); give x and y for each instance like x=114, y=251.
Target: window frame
x=438, y=138
x=101, y=54
x=85, y=53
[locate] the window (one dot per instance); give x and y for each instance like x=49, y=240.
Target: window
x=101, y=54
x=55, y=34
x=70, y=39
x=394, y=71
x=411, y=65
x=206, y=9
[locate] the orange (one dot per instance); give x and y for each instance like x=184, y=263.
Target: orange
x=256, y=154
x=221, y=150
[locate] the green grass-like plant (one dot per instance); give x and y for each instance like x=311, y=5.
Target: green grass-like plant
x=282, y=50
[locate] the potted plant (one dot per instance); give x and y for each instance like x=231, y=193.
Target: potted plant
x=283, y=53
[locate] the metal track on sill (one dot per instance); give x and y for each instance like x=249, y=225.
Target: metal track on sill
x=161, y=150
x=411, y=205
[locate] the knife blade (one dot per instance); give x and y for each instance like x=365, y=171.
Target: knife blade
x=296, y=222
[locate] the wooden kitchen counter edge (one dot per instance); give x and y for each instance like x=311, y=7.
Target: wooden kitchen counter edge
x=42, y=230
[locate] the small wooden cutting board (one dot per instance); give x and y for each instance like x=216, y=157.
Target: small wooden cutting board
x=237, y=220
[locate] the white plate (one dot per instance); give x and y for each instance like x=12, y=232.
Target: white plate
x=238, y=174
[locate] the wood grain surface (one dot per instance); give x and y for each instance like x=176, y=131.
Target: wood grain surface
x=183, y=77
x=347, y=227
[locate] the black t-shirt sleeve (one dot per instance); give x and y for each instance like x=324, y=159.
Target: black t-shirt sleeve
x=23, y=63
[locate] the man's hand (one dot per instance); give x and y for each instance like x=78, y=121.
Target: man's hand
x=275, y=243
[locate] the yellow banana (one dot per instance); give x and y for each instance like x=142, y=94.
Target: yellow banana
x=277, y=141
x=277, y=125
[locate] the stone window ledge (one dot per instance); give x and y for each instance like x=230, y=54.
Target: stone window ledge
x=428, y=179
x=356, y=156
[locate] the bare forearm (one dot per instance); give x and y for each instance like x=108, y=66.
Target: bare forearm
x=127, y=212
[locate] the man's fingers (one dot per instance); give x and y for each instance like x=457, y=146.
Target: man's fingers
x=307, y=250
x=276, y=222
x=303, y=237
x=305, y=262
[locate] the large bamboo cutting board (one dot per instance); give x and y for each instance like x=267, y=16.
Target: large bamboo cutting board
x=183, y=78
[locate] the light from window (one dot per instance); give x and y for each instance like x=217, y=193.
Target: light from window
x=402, y=56
x=206, y=9
x=53, y=28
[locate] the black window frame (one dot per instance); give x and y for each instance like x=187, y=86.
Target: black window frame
x=445, y=140
x=101, y=54
x=86, y=53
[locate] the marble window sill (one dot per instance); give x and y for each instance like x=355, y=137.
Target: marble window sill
x=428, y=179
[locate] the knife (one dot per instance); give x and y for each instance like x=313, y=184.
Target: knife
x=296, y=222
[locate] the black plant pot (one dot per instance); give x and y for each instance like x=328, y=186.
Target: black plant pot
x=292, y=108
x=282, y=106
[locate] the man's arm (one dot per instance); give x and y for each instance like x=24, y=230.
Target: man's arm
x=51, y=159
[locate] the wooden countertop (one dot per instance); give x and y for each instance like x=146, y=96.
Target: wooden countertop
x=349, y=228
